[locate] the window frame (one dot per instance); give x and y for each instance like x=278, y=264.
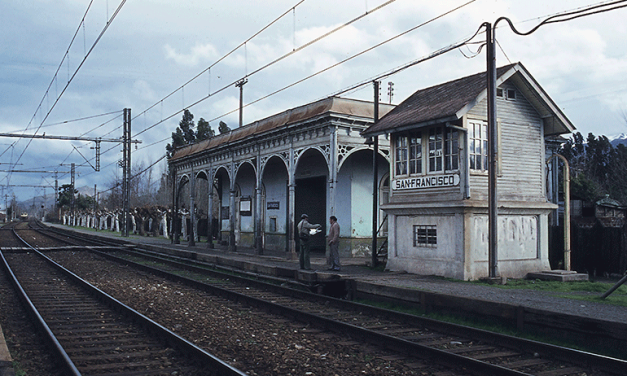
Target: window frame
x=425, y=236
x=416, y=158
x=472, y=148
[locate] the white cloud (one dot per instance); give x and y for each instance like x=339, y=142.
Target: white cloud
x=200, y=53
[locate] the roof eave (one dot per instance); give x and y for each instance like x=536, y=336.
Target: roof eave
x=411, y=126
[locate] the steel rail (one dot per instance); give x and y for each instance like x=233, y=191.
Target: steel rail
x=39, y=322
x=581, y=358
x=578, y=357
x=410, y=348
x=220, y=367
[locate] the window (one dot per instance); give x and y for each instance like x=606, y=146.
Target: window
x=507, y=94
x=425, y=236
x=401, y=155
x=415, y=153
x=273, y=224
x=435, y=149
x=451, y=149
x=478, y=138
x=441, y=145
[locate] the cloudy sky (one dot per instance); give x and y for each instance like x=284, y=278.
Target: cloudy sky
x=50, y=76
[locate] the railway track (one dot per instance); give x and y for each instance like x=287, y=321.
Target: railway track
x=94, y=334
x=475, y=351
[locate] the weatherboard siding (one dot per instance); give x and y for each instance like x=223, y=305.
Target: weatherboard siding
x=521, y=173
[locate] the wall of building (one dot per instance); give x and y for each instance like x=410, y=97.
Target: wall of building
x=444, y=259
x=521, y=144
x=522, y=244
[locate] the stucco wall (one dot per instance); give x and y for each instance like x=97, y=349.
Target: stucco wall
x=445, y=259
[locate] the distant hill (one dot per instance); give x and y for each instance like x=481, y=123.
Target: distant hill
x=618, y=139
x=48, y=201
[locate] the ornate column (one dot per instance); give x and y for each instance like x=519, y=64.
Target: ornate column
x=292, y=255
x=232, y=247
x=258, y=207
x=210, y=209
x=192, y=214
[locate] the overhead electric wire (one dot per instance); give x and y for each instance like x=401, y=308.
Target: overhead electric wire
x=267, y=65
x=222, y=58
x=113, y=16
x=580, y=12
x=437, y=53
x=553, y=19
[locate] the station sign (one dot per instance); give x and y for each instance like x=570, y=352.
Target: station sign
x=422, y=182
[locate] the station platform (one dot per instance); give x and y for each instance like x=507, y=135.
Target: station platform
x=521, y=308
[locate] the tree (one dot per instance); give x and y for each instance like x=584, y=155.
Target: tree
x=177, y=141
x=184, y=134
x=65, y=195
x=597, y=168
x=84, y=202
x=187, y=126
x=204, y=130
x=224, y=128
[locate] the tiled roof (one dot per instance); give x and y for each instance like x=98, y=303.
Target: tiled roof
x=438, y=103
x=344, y=107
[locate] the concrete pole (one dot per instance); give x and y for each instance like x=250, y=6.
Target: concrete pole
x=258, y=207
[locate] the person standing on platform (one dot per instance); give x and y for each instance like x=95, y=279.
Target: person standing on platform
x=334, y=243
x=304, y=235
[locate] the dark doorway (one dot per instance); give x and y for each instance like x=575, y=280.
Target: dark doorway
x=311, y=199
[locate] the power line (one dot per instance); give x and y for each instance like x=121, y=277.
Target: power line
x=113, y=16
x=269, y=64
x=437, y=53
x=570, y=15
x=222, y=58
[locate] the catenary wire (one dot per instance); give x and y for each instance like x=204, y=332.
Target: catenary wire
x=319, y=72
x=552, y=19
x=113, y=16
x=271, y=63
x=222, y=58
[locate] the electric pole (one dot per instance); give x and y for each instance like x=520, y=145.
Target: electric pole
x=240, y=84
x=73, y=168
x=126, y=170
x=375, y=174
x=492, y=154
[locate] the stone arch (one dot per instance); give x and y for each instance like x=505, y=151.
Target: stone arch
x=311, y=195
x=241, y=164
x=348, y=151
x=354, y=187
x=324, y=152
x=274, y=216
x=266, y=159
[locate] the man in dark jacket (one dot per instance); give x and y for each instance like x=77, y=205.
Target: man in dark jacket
x=303, y=234
x=334, y=242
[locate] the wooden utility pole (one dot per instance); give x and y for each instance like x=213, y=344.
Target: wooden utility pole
x=492, y=154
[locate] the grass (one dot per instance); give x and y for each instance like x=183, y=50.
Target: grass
x=496, y=327
x=580, y=290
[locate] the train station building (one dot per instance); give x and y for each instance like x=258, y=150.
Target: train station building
x=261, y=177
x=432, y=177
x=438, y=202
